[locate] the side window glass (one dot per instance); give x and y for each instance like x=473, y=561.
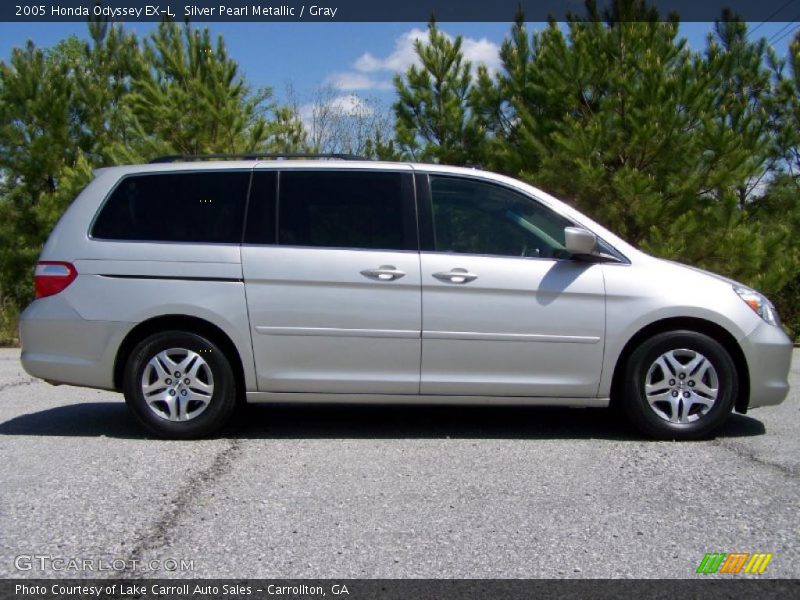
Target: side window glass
x=205, y=207
x=473, y=217
x=340, y=209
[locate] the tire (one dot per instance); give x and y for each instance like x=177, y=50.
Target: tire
x=679, y=385
x=195, y=404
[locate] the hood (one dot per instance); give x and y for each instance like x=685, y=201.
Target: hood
x=704, y=272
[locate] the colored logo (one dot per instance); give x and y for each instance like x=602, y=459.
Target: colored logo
x=735, y=562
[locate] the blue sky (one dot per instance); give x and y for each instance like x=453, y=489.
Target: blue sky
x=355, y=58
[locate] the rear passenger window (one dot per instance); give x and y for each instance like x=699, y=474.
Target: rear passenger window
x=347, y=210
x=203, y=207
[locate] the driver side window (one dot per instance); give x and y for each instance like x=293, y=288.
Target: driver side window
x=473, y=217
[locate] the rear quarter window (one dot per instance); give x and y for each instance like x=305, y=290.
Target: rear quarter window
x=205, y=207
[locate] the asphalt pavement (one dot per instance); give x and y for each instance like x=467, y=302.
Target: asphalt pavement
x=385, y=492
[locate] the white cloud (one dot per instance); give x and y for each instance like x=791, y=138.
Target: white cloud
x=367, y=67
x=478, y=52
x=402, y=57
x=367, y=62
x=482, y=52
x=351, y=82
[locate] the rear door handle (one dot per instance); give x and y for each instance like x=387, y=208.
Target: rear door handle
x=384, y=273
x=456, y=276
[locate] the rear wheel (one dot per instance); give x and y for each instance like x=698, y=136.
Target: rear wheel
x=179, y=385
x=680, y=385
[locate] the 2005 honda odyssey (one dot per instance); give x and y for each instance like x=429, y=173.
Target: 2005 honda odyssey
x=191, y=285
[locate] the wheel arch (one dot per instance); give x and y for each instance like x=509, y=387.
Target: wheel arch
x=709, y=328
x=180, y=323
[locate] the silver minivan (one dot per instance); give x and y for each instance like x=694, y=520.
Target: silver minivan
x=191, y=286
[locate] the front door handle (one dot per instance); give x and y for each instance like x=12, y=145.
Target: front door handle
x=456, y=276
x=384, y=273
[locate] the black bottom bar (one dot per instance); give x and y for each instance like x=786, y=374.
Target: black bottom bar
x=396, y=589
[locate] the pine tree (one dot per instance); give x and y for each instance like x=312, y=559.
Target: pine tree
x=35, y=145
x=191, y=98
x=60, y=115
x=629, y=102
x=520, y=107
x=286, y=132
x=728, y=230
x=784, y=106
x=433, y=118
x=780, y=204
x=104, y=71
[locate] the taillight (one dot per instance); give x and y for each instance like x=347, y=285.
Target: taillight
x=52, y=277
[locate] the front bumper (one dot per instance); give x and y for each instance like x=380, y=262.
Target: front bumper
x=768, y=352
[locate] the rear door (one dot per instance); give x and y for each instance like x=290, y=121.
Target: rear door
x=505, y=310
x=332, y=277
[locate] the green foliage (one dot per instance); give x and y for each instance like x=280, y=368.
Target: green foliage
x=434, y=123
x=379, y=148
x=286, y=132
x=784, y=106
x=190, y=98
x=35, y=117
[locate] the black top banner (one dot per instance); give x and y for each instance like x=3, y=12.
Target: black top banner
x=375, y=10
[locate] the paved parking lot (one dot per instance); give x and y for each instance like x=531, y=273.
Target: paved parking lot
x=386, y=492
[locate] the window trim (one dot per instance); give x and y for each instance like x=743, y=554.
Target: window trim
x=118, y=183
x=247, y=206
x=244, y=241
x=422, y=187
x=427, y=230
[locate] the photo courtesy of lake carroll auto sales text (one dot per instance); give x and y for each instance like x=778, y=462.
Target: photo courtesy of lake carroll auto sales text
x=170, y=590
x=405, y=301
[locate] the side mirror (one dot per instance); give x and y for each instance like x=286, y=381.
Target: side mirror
x=579, y=241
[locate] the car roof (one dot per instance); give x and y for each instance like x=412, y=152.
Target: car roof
x=213, y=165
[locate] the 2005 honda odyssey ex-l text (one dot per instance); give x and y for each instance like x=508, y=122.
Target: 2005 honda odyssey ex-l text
x=192, y=285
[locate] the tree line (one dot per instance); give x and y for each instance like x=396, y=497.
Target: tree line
x=692, y=155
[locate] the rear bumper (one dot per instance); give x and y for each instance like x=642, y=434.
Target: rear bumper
x=58, y=345
x=768, y=351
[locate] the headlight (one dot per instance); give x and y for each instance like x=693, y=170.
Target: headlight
x=759, y=303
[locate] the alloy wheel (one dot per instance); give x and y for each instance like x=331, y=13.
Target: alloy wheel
x=177, y=384
x=681, y=386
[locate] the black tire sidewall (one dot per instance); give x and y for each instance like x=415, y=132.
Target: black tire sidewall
x=635, y=402
x=222, y=401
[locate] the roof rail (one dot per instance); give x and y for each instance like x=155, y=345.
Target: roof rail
x=260, y=156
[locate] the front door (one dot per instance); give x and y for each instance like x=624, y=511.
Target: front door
x=505, y=310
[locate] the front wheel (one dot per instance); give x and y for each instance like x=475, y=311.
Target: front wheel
x=179, y=385
x=680, y=385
